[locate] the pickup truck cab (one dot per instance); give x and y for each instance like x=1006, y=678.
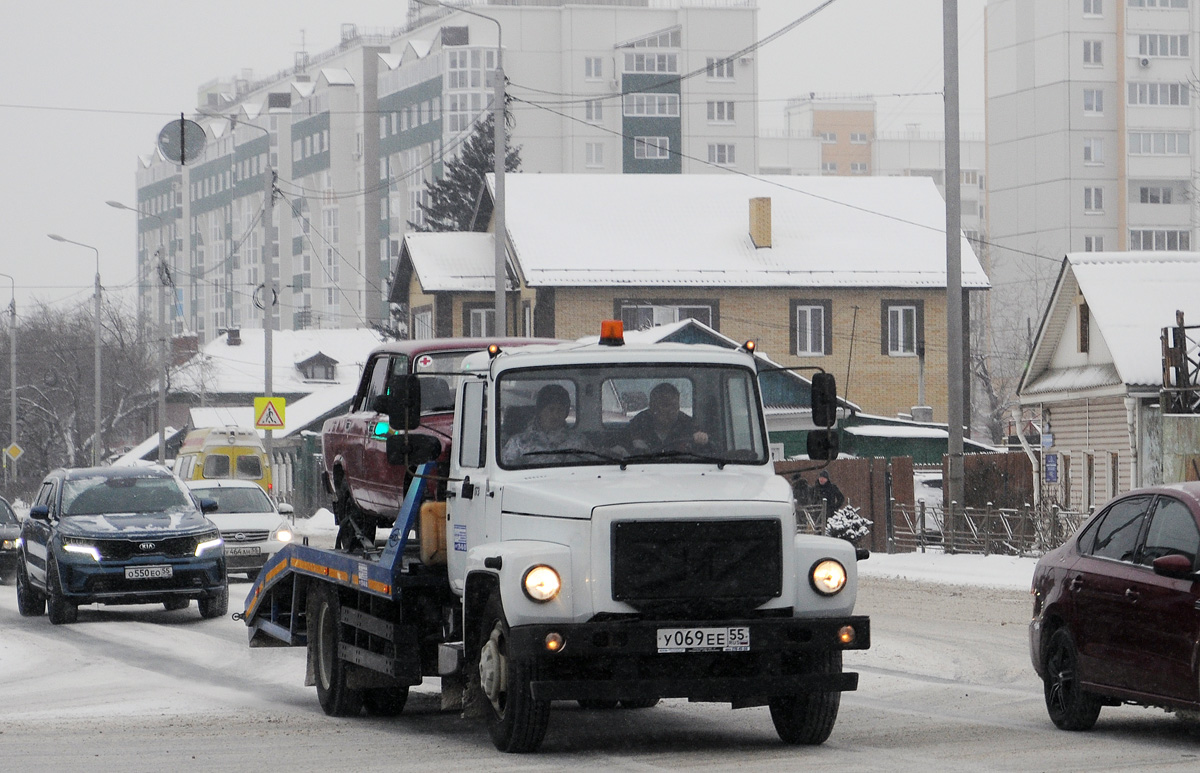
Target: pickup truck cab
x=367, y=490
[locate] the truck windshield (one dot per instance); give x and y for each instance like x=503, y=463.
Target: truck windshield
x=630, y=414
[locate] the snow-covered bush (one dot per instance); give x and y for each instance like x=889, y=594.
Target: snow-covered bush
x=847, y=524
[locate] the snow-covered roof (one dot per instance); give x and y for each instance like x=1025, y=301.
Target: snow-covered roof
x=419, y=47
x=297, y=416
x=677, y=230
x=224, y=369
x=453, y=261
x=1130, y=296
x=337, y=76
x=303, y=89
x=391, y=61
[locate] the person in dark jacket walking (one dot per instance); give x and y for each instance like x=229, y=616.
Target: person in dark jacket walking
x=828, y=490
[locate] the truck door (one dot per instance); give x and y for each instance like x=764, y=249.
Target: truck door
x=466, y=493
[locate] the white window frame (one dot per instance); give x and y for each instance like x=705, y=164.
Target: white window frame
x=829, y=167
x=1093, y=151
x=1093, y=101
x=1146, y=94
x=1093, y=199
x=593, y=110
x=858, y=138
x=593, y=68
x=1093, y=7
x=652, y=148
x=719, y=68
x=858, y=167
x=1154, y=194
x=1160, y=239
x=652, y=105
x=1159, y=143
x=480, y=322
x=810, y=337
x=902, y=330
x=1163, y=45
x=423, y=324
x=722, y=153
x=594, y=155
x=1093, y=243
x=828, y=138
x=721, y=111
x=1093, y=53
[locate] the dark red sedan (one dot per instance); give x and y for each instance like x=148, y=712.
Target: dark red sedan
x=1115, y=611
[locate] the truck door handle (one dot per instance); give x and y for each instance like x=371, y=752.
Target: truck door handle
x=1132, y=595
x=1075, y=584
x=468, y=489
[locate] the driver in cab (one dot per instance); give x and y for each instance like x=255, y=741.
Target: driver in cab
x=663, y=427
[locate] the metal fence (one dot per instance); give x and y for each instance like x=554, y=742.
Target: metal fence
x=1001, y=531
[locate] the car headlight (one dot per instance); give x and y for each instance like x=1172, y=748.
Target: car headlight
x=283, y=534
x=541, y=583
x=8, y=544
x=828, y=577
x=81, y=548
x=207, y=543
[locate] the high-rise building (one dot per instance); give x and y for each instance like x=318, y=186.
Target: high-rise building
x=354, y=135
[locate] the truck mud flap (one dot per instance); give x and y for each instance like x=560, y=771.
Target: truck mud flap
x=404, y=667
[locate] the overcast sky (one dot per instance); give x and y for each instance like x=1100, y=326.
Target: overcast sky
x=88, y=85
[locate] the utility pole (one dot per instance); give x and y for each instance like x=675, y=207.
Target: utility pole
x=954, y=300
x=96, y=439
x=12, y=374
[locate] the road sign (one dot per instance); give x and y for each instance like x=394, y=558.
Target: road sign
x=1050, y=463
x=268, y=412
x=14, y=452
x=182, y=141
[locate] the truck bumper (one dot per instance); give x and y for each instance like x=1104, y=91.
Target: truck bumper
x=615, y=660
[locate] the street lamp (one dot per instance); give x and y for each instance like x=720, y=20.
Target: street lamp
x=12, y=365
x=500, y=152
x=96, y=438
x=162, y=331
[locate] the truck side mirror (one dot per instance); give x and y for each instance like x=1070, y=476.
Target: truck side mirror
x=824, y=400
x=40, y=512
x=403, y=402
x=823, y=445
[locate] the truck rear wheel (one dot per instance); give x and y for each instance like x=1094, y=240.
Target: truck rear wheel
x=324, y=634
x=516, y=722
x=808, y=718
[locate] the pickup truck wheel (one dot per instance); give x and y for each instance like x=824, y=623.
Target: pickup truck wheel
x=352, y=522
x=386, y=701
x=808, y=718
x=516, y=722
x=30, y=601
x=216, y=605
x=324, y=626
x=1069, y=707
x=60, y=610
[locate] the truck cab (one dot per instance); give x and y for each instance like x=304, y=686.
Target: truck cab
x=603, y=556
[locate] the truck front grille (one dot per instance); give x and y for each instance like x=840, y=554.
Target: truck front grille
x=692, y=569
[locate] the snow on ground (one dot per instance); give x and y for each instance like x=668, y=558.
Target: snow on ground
x=1007, y=572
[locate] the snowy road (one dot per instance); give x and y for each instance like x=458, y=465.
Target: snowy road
x=946, y=686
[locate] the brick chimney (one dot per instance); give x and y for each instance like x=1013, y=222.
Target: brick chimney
x=760, y=221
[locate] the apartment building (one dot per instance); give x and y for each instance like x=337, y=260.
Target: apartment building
x=354, y=135
x=1091, y=125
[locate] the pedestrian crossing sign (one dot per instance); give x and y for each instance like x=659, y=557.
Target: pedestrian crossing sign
x=268, y=412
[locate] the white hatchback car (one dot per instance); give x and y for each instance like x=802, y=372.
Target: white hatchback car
x=251, y=525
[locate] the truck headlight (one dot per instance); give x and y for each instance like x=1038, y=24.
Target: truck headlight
x=828, y=577
x=541, y=583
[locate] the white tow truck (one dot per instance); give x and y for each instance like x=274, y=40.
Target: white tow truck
x=582, y=552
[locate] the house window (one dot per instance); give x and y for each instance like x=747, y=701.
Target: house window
x=1093, y=7
x=594, y=155
x=1114, y=474
x=1171, y=94
x=1154, y=194
x=1093, y=151
x=654, y=105
x=858, y=167
x=828, y=167
x=422, y=322
x=645, y=314
x=654, y=148
x=479, y=320
x=652, y=63
x=1158, y=3
x=720, y=112
x=1093, y=244
x=1085, y=324
x=1093, y=199
x=1091, y=53
x=810, y=328
x=858, y=138
x=593, y=110
x=593, y=68
x=1160, y=240
x=1093, y=101
x=1163, y=45
x=828, y=138
x=902, y=323
x=721, y=154
x=526, y=319
x=1158, y=144
x=719, y=69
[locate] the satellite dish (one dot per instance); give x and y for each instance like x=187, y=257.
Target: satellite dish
x=182, y=141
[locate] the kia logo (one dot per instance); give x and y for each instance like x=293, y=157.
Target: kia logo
x=146, y=546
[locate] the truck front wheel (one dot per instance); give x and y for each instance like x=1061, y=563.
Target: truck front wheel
x=516, y=722
x=324, y=625
x=808, y=718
